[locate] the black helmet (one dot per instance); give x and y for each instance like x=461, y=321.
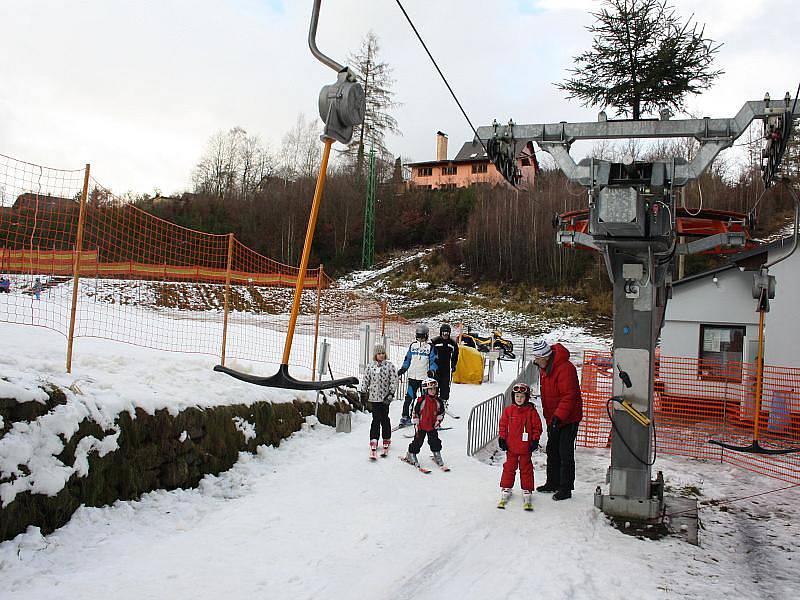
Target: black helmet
x=445, y=328
x=422, y=332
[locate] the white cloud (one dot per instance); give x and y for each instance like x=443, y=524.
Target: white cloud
x=137, y=87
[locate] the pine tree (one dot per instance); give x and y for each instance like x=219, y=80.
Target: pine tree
x=376, y=77
x=643, y=58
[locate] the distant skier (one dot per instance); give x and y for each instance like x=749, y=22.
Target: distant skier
x=5, y=285
x=446, y=361
x=420, y=362
x=563, y=410
x=520, y=429
x=37, y=288
x=428, y=415
x=379, y=384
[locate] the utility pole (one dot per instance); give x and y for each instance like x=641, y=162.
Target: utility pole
x=368, y=244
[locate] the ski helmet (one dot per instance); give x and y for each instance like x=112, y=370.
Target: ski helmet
x=522, y=388
x=445, y=328
x=429, y=384
x=422, y=332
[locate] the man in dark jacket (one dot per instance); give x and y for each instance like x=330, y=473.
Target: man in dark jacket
x=446, y=360
x=563, y=410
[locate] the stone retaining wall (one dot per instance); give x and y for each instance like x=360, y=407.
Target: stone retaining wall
x=158, y=451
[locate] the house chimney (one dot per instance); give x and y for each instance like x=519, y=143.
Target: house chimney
x=441, y=146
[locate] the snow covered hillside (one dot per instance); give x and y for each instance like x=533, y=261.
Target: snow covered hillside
x=418, y=285
x=314, y=518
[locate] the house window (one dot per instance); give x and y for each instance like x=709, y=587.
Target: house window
x=425, y=171
x=482, y=168
x=448, y=186
x=449, y=170
x=721, y=352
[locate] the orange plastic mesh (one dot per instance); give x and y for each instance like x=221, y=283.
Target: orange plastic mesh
x=697, y=401
x=38, y=222
x=152, y=283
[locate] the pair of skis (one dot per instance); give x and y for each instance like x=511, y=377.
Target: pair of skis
x=525, y=505
x=422, y=469
x=412, y=435
x=396, y=427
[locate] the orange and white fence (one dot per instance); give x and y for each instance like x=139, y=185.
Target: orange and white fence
x=81, y=261
x=697, y=401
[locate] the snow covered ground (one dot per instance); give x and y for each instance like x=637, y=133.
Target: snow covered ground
x=315, y=519
x=360, y=279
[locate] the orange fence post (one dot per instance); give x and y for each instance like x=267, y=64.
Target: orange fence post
x=227, y=299
x=76, y=266
x=316, y=323
x=759, y=374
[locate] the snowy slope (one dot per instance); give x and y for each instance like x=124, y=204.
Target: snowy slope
x=315, y=519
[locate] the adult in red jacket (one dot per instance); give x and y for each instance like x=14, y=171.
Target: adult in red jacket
x=520, y=429
x=563, y=410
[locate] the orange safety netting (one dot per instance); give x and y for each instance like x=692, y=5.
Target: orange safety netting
x=696, y=401
x=149, y=282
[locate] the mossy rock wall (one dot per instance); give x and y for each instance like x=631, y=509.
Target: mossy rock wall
x=152, y=456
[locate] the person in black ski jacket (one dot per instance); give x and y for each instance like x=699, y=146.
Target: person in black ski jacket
x=446, y=360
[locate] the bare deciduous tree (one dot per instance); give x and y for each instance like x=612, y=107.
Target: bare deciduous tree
x=300, y=152
x=233, y=163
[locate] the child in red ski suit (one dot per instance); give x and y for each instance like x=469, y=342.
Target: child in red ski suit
x=520, y=428
x=428, y=413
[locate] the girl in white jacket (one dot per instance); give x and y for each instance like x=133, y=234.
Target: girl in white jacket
x=379, y=384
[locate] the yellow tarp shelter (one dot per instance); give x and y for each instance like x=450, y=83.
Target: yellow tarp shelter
x=470, y=366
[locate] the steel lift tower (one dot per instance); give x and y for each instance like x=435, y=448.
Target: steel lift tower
x=632, y=222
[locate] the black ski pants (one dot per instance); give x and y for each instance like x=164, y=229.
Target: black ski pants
x=443, y=380
x=380, y=421
x=411, y=394
x=561, y=456
x=433, y=441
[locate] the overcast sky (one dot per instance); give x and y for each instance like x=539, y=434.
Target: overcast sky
x=136, y=87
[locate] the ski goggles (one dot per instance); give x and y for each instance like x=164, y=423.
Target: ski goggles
x=520, y=388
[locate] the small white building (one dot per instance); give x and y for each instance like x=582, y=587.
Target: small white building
x=712, y=316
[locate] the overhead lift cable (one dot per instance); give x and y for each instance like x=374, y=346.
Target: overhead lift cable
x=433, y=60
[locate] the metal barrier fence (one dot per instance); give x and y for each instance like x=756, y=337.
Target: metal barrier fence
x=697, y=401
x=485, y=417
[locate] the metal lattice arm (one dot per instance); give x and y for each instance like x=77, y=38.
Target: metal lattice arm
x=714, y=136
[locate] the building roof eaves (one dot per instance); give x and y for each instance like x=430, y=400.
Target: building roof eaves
x=737, y=258
x=703, y=275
